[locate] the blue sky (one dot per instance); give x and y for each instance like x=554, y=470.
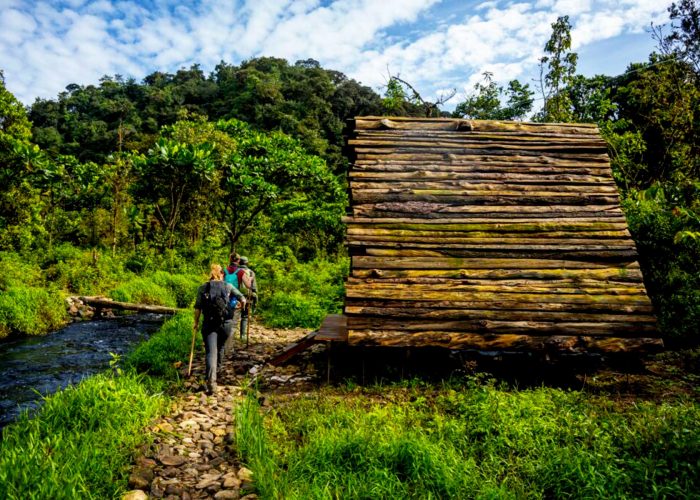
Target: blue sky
x=436, y=45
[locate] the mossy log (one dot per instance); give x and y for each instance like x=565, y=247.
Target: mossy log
x=606, y=238
x=601, y=256
x=525, y=286
x=429, y=135
x=529, y=327
x=504, y=305
x=478, y=177
x=514, y=198
x=443, y=145
x=478, y=224
x=418, y=209
x=475, y=188
x=369, y=262
x=549, y=343
x=585, y=281
x=424, y=313
x=461, y=125
x=614, y=274
x=105, y=303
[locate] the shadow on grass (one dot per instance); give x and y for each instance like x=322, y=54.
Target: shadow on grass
x=660, y=376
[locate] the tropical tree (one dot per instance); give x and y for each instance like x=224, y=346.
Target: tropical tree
x=177, y=174
x=266, y=170
x=485, y=103
x=557, y=72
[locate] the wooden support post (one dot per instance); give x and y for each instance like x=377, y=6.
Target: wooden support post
x=328, y=366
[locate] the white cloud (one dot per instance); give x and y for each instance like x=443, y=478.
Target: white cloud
x=434, y=44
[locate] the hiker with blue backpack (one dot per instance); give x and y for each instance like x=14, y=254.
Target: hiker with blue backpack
x=238, y=276
x=216, y=302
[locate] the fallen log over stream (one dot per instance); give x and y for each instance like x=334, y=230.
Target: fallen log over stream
x=105, y=303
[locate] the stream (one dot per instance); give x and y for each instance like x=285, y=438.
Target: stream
x=35, y=366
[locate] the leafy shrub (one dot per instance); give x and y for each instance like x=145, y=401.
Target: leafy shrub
x=143, y=291
x=300, y=294
x=158, y=355
x=670, y=263
x=288, y=310
x=80, y=443
x=82, y=272
x=31, y=311
x=16, y=269
x=182, y=287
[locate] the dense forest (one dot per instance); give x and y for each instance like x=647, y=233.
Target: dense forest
x=250, y=157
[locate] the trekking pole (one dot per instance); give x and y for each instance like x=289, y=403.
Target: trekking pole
x=250, y=318
x=189, y=368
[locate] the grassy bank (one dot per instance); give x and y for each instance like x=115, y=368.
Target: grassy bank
x=80, y=443
x=470, y=441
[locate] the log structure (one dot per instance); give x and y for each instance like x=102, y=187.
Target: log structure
x=490, y=235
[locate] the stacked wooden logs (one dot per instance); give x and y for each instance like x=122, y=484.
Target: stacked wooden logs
x=490, y=235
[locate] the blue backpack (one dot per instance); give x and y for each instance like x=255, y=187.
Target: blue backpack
x=232, y=277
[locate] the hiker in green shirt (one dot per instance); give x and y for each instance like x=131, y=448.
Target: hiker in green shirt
x=252, y=295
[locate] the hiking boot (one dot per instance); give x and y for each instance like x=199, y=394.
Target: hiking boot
x=212, y=388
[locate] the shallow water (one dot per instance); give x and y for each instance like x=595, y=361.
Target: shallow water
x=36, y=366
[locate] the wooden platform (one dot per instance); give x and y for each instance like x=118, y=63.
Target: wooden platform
x=490, y=235
x=333, y=329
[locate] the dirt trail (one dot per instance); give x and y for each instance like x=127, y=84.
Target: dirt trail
x=192, y=455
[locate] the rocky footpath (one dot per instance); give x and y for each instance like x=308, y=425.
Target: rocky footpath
x=193, y=452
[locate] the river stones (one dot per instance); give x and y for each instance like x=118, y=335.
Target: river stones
x=227, y=495
x=173, y=460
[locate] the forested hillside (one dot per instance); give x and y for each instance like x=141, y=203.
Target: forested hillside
x=250, y=156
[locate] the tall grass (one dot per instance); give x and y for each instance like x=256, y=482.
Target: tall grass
x=170, y=345
x=80, y=443
x=31, y=311
x=475, y=442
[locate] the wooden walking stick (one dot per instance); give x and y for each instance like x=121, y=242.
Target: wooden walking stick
x=189, y=368
x=247, y=326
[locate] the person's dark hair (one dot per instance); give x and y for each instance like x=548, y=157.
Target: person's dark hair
x=234, y=257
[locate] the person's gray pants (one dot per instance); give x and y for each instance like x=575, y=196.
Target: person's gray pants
x=230, y=327
x=214, y=346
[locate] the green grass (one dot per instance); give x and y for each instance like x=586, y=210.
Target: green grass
x=159, y=354
x=81, y=441
x=31, y=310
x=477, y=441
